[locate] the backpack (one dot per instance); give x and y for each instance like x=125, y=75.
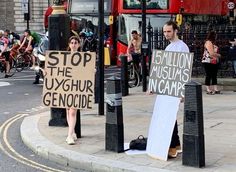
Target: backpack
x=36, y=38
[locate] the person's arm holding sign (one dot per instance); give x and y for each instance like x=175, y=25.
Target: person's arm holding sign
x=211, y=49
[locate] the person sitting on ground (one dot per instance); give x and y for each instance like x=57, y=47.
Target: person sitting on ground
x=28, y=43
x=5, y=51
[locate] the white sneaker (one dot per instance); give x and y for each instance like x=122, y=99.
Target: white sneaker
x=70, y=140
x=74, y=136
x=32, y=67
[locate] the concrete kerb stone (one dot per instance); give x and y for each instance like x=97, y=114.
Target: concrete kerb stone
x=40, y=145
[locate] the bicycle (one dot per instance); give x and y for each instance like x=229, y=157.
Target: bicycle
x=3, y=66
x=134, y=76
x=23, y=60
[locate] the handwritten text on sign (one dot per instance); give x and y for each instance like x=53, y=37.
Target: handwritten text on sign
x=169, y=72
x=69, y=82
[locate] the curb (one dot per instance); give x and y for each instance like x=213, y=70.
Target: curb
x=43, y=147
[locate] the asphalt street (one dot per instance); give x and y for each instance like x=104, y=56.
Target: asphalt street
x=19, y=98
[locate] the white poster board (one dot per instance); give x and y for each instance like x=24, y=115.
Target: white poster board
x=169, y=73
x=69, y=80
x=161, y=127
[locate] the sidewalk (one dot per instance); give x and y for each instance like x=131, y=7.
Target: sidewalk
x=89, y=152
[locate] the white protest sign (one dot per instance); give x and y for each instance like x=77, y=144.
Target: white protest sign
x=69, y=82
x=162, y=125
x=169, y=72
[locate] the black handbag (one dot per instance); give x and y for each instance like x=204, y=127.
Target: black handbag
x=138, y=144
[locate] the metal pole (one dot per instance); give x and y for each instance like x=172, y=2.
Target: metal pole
x=28, y=17
x=143, y=2
x=144, y=67
x=149, y=44
x=101, y=55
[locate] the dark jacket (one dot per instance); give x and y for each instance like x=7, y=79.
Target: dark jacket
x=232, y=52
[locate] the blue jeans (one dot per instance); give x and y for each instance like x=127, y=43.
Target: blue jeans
x=234, y=66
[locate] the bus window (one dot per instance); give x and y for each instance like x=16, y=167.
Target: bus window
x=122, y=35
x=154, y=4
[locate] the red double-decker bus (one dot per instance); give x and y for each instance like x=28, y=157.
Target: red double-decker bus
x=123, y=16
x=159, y=11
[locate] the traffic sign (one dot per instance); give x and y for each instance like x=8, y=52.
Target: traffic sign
x=24, y=6
x=231, y=5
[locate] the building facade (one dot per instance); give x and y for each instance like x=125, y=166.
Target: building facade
x=12, y=14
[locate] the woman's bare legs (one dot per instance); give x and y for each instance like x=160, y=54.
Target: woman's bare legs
x=71, y=120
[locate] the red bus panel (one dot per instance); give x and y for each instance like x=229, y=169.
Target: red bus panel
x=211, y=7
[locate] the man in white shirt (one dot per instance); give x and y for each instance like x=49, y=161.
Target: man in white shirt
x=170, y=31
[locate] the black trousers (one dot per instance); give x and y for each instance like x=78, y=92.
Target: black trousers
x=6, y=54
x=175, y=137
x=211, y=73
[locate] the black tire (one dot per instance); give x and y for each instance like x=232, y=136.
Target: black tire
x=133, y=77
x=27, y=62
x=20, y=63
x=2, y=70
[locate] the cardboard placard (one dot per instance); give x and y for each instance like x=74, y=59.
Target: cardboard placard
x=169, y=72
x=69, y=80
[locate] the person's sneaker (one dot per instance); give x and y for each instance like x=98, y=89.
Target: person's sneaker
x=172, y=153
x=74, y=136
x=178, y=149
x=70, y=140
x=6, y=76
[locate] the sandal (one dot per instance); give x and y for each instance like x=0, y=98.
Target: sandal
x=210, y=92
x=217, y=92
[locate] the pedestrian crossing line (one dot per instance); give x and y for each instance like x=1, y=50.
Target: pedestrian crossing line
x=2, y=84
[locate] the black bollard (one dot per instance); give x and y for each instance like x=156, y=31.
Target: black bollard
x=124, y=75
x=78, y=125
x=58, y=117
x=59, y=32
x=193, y=131
x=114, y=116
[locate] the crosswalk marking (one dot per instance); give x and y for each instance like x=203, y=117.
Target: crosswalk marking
x=2, y=84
